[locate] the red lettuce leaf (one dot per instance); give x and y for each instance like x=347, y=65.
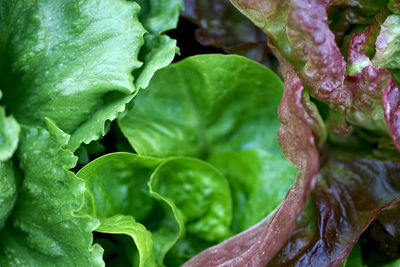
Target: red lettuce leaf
x=321, y=65
x=300, y=30
x=391, y=108
x=295, y=135
x=223, y=26
x=343, y=19
x=365, y=82
x=259, y=244
x=314, y=120
x=368, y=86
x=349, y=193
x=373, y=87
x=271, y=17
x=362, y=45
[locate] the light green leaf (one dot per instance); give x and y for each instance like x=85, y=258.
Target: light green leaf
x=259, y=182
x=395, y=263
x=159, y=16
x=198, y=193
x=394, y=6
x=170, y=197
x=8, y=191
x=159, y=50
x=120, y=224
x=43, y=229
x=9, y=135
x=118, y=186
x=387, y=53
x=70, y=61
x=202, y=105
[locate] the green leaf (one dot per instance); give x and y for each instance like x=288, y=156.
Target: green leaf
x=202, y=105
x=198, y=193
x=259, y=182
x=170, y=197
x=387, y=53
x=355, y=257
x=395, y=263
x=43, y=229
x=118, y=186
x=9, y=131
x=159, y=16
x=269, y=16
x=394, y=6
x=8, y=190
x=70, y=61
x=159, y=50
x=120, y=224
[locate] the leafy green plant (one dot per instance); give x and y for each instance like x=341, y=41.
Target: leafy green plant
x=110, y=155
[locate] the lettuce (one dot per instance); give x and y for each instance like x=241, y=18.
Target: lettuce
x=66, y=68
x=188, y=119
x=340, y=223
x=221, y=25
x=199, y=106
x=110, y=155
x=42, y=229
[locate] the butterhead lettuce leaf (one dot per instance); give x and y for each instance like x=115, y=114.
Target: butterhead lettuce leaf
x=201, y=106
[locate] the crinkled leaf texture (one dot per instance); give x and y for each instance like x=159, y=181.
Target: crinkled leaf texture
x=43, y=229
x=181, y=199
x=185, y=195
x=300, y=31
x=202, y=105
x=72, y=61
x=66, y=67
x=254, y=176
x=387, y=56
x=118, y=194
x=306, y=42
x=387, y=53
x=376, y=96
x=260, y=243
x=159, y=50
